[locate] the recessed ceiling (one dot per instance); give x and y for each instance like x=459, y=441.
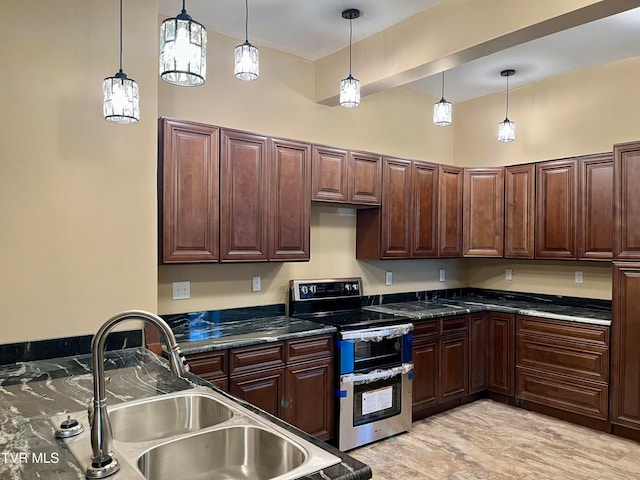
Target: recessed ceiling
x=312, y=29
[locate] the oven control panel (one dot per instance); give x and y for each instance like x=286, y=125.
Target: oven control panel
x=326, y=289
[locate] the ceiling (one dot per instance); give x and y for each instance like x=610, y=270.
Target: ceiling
x=313, y=29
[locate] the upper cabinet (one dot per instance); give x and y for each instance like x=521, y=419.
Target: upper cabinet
x=340, y=176
x=405, y=225
x=626, y=212
x=483, y=212
x=519, y=210
x=556, y=209
x=595, y=232
x=450, y=211
x=187, y=191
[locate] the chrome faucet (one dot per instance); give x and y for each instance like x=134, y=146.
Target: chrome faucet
x=103, y=462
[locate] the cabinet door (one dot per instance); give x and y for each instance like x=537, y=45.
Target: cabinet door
x=264, y=389
x=625, y=354
x=501, y=358
x=519, y=211
x=290, y=200
x=477, y=352
x=396, y=207
x=243, y=197
x=626, y=179
x=483, y=212
x=556, y=209
x=329, y=175
x=188, y=191
x=450, y=211
x=365, y=178
x=309, y=397
x=596, y=208
x=454, y=367
x=424, y=218
x=425, y=373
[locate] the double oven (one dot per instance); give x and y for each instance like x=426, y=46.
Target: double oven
x=373, y=359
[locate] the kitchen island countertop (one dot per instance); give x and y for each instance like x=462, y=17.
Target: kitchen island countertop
x=32, y=392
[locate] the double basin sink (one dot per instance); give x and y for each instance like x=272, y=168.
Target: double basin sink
x=198, y=434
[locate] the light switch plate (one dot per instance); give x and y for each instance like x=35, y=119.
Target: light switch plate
x=443, y=275
x=579, y=277
x=255, y=284
x=388, y=278
x=508, y=274
x=181, y=290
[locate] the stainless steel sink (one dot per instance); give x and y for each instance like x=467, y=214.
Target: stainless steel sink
x=199, y=434
x=240, y=452
x=165, y=416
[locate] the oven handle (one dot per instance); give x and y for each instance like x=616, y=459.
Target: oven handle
x=375, y=375
x=377, y=334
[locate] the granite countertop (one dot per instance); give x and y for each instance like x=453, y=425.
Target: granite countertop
x=32, y=392
x=541, y=307
x=204, y=331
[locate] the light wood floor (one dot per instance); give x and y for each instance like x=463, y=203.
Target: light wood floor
x=490, y=440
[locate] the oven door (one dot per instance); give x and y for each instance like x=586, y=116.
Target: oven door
x=375, y=348
x=374, y=405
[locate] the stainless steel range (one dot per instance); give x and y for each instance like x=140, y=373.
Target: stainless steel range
x=373, y=359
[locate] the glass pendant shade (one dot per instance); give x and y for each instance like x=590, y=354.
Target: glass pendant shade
x=506, y=131
x=121, y=99
x=183, y=51
x=350, y=92
x=442, y=113
x=247, y=60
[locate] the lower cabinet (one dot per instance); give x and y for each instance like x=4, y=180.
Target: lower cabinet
x=292, y=380
x=441, y=363
x=500, y=354
x=563, y=365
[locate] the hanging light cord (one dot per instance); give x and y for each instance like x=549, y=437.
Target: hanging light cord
x=443, y=85
x=184, y=10
x=246, y=21
x=350, y=41
x=506, y=113
x=120, y=36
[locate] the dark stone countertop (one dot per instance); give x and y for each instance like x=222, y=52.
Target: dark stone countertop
x=543, y=306
x=32, y=392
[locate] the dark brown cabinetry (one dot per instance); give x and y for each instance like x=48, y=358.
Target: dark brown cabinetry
x=483, y=212
x=595, y=218
x=519, y=210
x=500, y=353
x=441, y=363
x=211, y=366
x=478, y=336
x=405, y=225
x=345, y=177
x=188, y=191
x=556, y=209
x=450, y=211
x=626, y=179
x=625, y=374
x=563, y=365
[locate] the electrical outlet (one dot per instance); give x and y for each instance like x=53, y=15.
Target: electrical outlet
x=579, y=277
x=181, y=290
x=508, y=274
x=443, y=275
x=255, y=284
x=388, y=278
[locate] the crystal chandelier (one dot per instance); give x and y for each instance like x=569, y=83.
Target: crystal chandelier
x=442, y=110
x=247, y=57
x=507, y=128
x=350, y=87
x=183, y=50
x=121, y=102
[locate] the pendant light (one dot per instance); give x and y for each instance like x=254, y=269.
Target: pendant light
x=350, y=87
x=121, y=102
x=442, y=110
x=247, y=57
x=507, y=128
x=183, y=50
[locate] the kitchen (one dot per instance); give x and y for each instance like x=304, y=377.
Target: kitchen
x=79, y=195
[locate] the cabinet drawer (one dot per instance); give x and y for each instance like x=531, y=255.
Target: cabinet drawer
x=454, y=325
x=426, y=328
x=572, y=395
x=247, y=359
x=308, y=348
x=580, y=360
x=563, y=330
x=208, y=365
